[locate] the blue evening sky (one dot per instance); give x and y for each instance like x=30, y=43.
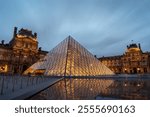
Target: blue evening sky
x=104, y=27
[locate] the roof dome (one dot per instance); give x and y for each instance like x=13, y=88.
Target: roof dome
x=133, y=48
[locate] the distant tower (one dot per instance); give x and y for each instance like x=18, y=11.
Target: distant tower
x=15, y=31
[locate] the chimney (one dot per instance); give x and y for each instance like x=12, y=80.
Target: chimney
x=95, y=56
x=35, y=35
x=40, y=48
x=15, y=31
x=139, y=46
x=2, y=42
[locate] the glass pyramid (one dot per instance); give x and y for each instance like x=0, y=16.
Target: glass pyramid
x=69, y=58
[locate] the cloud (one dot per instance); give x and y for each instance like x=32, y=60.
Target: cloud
x=99, y=25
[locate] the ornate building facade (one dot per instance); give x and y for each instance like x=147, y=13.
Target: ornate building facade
x=133, y=61
x=20, y=53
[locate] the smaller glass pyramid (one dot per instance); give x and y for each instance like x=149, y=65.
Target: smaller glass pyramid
x=69, y=58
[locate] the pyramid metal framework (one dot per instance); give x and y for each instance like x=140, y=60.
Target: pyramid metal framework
x=69, y=58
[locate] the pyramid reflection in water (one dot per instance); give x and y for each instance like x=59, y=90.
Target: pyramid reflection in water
x=69, y=58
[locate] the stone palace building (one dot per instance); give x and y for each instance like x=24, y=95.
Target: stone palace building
x=20, y=53
x=133, y=61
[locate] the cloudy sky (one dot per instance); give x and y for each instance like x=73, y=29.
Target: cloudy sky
x=104, y=27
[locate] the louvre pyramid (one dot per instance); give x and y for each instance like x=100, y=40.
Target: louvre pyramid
x=69, y=58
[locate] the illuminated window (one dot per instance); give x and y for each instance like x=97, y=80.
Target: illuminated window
x=3, y=68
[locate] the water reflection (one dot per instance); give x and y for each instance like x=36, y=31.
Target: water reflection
x=96, y=88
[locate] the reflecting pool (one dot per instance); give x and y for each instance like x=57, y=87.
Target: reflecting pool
x=84, y=88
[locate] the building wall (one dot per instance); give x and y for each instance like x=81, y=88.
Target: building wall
x=133, y=61
x=4, y=57
x=20, y=53
x=114, y=63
